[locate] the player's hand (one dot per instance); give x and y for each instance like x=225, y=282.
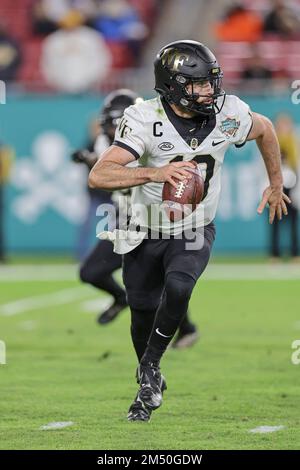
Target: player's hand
x=275, y=197
x=176, y=170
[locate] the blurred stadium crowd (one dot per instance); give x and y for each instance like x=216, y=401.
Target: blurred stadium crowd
x=73, y=48
x=70, y=45
x=260, y=40
x=75, y=45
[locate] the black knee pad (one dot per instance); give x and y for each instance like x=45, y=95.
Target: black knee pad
x=178, y=287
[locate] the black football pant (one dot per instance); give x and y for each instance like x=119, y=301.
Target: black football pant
x=97, y=269
x=159, y=276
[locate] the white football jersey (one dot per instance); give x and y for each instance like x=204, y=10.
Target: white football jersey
x=147, y=132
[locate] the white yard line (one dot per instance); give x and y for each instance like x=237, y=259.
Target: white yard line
x=36, y=272
x=266, y=429
x=28, y=325
x=214, y=272
x=61, y=297
x=252, y=272
x=56, y=425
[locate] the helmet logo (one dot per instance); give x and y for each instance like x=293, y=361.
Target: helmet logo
x=181, y=79
x=173, y=59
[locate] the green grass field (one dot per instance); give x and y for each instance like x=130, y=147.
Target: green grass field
x=61, y=366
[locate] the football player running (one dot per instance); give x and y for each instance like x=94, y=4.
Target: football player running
x=100, y=264
x=191, y=119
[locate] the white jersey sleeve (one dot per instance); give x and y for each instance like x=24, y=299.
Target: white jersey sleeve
x=131, y=133
x=245, y=120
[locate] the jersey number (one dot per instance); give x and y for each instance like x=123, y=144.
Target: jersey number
x=209, y=162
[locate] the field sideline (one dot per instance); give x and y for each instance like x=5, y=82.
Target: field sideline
x=62, y=367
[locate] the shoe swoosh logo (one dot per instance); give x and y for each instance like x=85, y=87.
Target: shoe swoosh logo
x=161, y=334
x=217, y=143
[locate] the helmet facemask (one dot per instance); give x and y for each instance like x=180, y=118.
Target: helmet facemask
x=188, y=98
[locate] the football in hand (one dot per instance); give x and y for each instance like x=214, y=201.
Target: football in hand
x=181, y=201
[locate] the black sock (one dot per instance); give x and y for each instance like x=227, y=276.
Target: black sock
x=141, y=327
x=173, y=307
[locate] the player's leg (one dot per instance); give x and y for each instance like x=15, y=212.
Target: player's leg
x=97, y=270
x=182, y=269
x=140, y=329
x=143, y=276
x=144, y=289
x=172, y=308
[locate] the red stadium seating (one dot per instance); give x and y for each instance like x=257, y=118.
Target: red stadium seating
x=121, y=55
x=30, y=69
x=16, y=16
x=280, y=55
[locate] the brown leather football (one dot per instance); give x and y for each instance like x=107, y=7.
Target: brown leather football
x=181, y=201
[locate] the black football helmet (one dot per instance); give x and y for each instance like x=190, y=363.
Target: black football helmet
x=114, y=106
x=181, y=63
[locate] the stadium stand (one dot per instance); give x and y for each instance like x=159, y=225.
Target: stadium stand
x=281, y=52
x=18, y=18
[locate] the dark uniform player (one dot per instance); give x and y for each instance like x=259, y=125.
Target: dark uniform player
x=192, y=119
x=99, y=266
